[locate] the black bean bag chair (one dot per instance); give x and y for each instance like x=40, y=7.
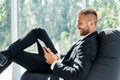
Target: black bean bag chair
x=106, y=65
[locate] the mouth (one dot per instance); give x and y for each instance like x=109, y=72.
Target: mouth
x=80, y=29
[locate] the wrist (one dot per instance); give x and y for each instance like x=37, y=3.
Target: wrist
x=56, y=58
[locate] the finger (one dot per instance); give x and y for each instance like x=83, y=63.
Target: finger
x=49, y=50
x=47, y=62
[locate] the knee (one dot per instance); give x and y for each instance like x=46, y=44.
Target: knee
x=38, y=31
x=41, y=30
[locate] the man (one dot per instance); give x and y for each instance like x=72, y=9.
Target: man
x=75, y=65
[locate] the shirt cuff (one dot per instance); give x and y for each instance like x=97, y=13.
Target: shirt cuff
x=53, y=64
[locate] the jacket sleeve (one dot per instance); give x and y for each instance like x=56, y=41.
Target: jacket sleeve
x=80, y=65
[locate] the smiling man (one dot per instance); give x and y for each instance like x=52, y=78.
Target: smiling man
x=75, y=65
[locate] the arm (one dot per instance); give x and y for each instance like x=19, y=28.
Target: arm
x=80, y=65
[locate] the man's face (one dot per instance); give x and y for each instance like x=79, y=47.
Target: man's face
x=83, y=25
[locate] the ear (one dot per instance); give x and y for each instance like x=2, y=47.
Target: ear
x=91, y=22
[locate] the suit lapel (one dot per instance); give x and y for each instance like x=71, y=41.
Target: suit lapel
x=69, y=54
x=70, y=51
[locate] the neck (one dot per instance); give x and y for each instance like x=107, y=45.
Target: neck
x=92, y=30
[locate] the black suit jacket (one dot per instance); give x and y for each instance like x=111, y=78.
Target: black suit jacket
x=77, y=62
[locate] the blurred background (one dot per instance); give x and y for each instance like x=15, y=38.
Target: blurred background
x=57, y=17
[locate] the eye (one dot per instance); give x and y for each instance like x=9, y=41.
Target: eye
x=80, y=23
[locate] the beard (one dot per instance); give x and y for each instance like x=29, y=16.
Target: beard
x=84, y=31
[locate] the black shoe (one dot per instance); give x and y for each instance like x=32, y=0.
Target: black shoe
x=3, y=60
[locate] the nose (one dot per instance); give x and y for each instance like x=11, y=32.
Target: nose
x=76, y=25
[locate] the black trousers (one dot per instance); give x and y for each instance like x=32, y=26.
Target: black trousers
x=32, y=62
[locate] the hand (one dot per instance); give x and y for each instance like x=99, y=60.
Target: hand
x=49, y=56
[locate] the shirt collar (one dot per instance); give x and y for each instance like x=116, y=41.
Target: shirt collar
x=94, y=33
x=82, y=37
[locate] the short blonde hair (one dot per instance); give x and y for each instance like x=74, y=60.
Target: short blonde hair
x=88, y=11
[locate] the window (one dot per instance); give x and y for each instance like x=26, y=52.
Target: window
x=5, y=23
x=5, y=32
